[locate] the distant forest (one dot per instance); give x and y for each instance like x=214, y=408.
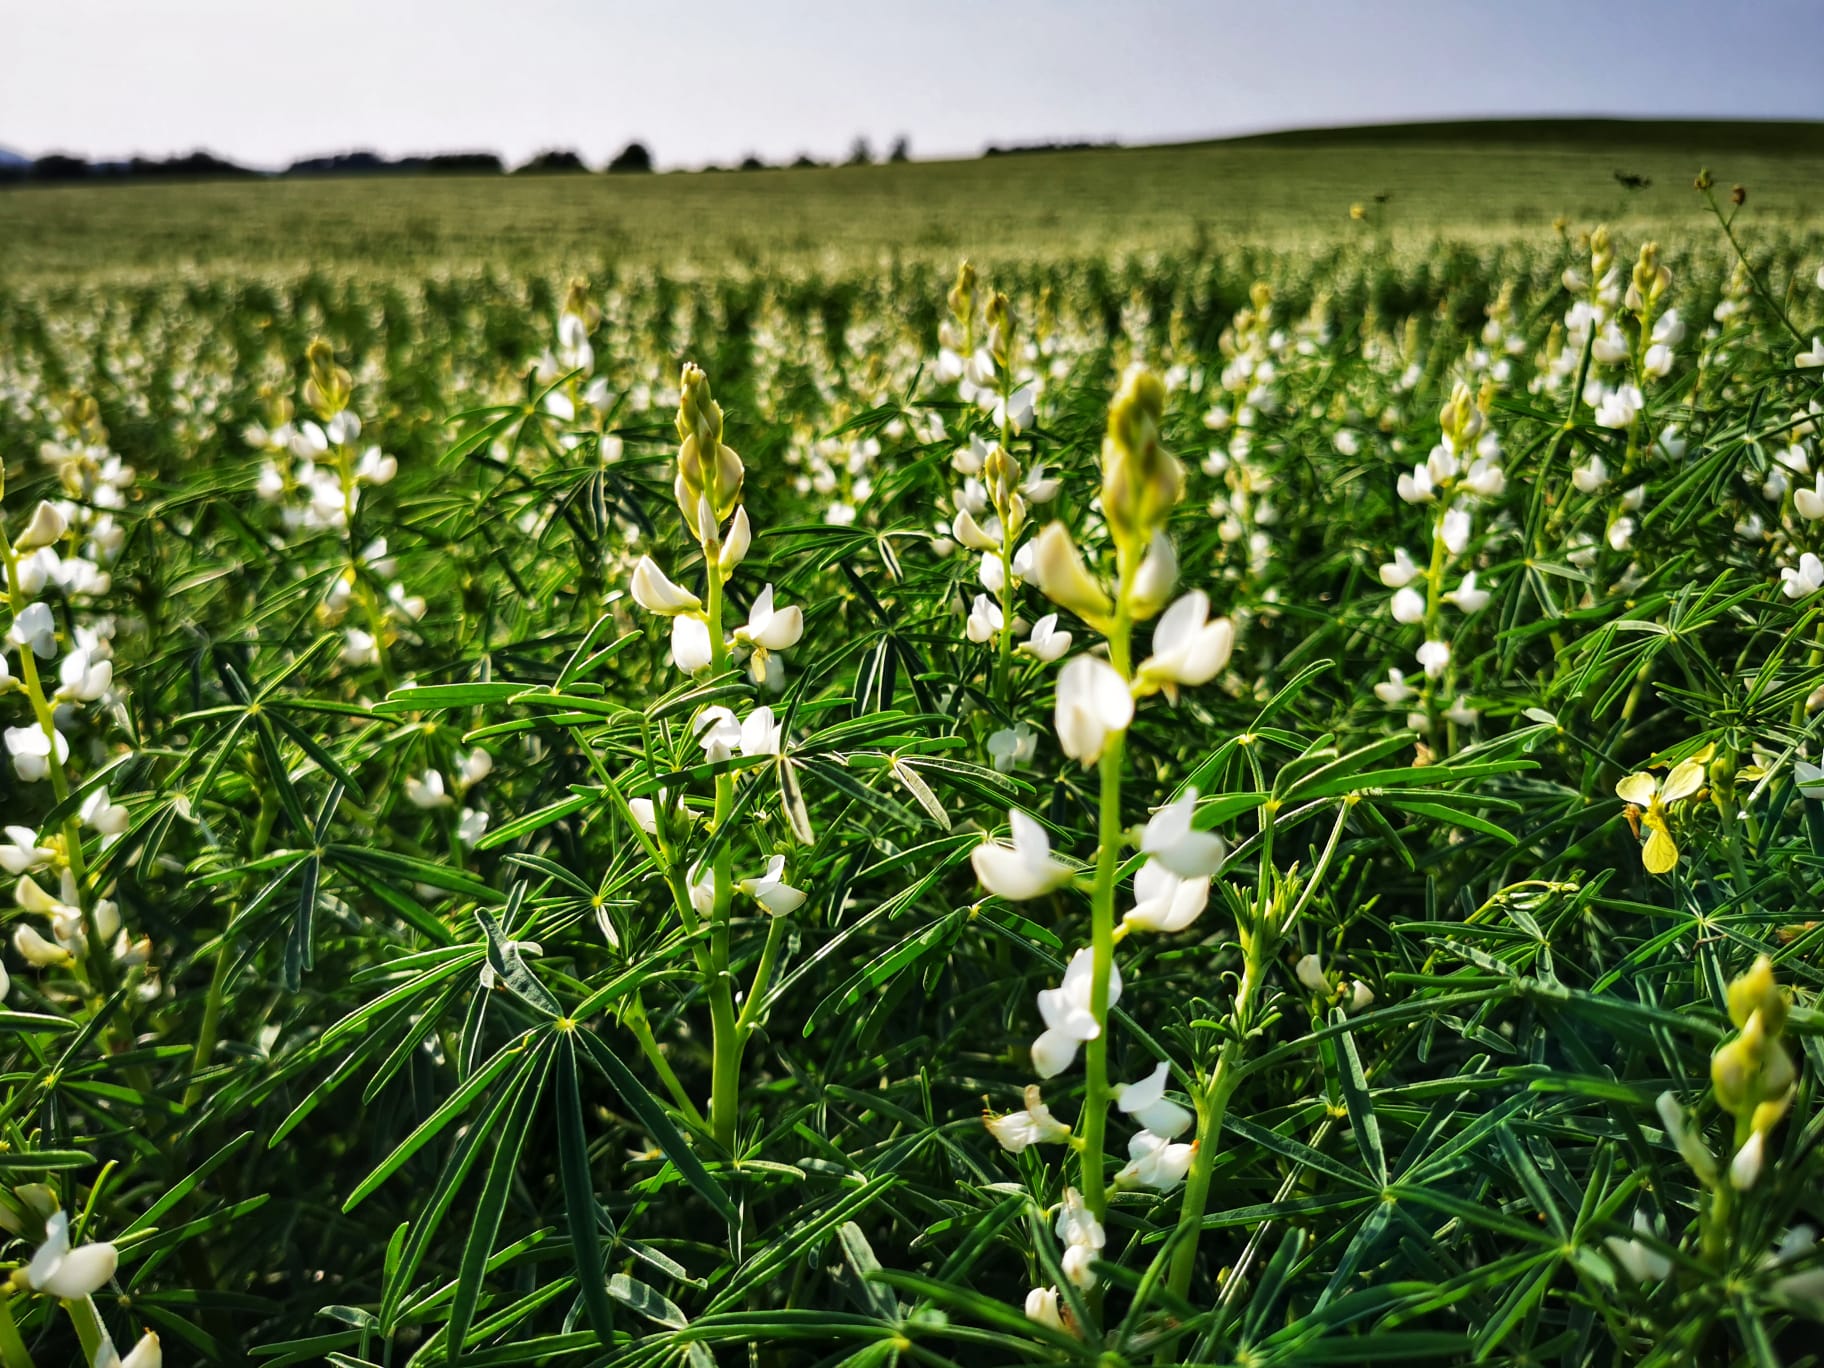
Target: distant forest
x=634, y=159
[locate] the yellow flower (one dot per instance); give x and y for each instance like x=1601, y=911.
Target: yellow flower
x=1653, y=797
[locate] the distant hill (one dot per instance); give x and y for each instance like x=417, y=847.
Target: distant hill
x=1768, y=137
x=8, y=157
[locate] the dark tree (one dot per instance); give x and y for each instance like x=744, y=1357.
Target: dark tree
x=554, y=160
x=804, y=160
x=902, y=149
x=634, y=157
x=752, y=163
x=860, y=154
x=60, y=167
x=464, y=163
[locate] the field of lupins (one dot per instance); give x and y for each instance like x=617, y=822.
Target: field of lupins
x=1194, y=807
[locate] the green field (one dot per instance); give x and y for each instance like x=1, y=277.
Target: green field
x=1466, y=181
x=656, y=773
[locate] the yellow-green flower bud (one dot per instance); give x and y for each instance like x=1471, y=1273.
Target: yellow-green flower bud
x=1602, y=252
x=962, y=294
x=1756, y=991
x=330, y=387
x=1141, y=480
x=708, y=471
x=1001, y=474
x=1735, y=1069
x=1000, y=328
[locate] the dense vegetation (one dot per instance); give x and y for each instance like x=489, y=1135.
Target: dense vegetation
x=542, y=811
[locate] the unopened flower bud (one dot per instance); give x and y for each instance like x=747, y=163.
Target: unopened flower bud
x=1756, y=991
x=1141, y=480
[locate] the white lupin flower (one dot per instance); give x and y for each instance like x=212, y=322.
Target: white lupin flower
x=1806, y=360
x=1171, y=839
x=1011, y=747
x=1619, y=407
x=1434, y=656
x=1798, y=583
x=472, y=768
x=1400, y=571
x=46, y=527
x=35, y=950
x=1035, y=1125
x=1038, y=488
x=1361, y=996
x=1017, y=410
x=100, y=813
x=21, y=851
x=1093, y=702
x=1416, y=487
x=145, y=1354
x=471, y=825
x=773, y=629
x=1454, y=529
x=1809, y=503
x=427, y=791
x=359, y=648
x=1808, y=777
x=985, y=620
x=1188, y=648
x=1147, y=1103
x=1155, y=1162
x=1466, y=596
x=1745, y=1168
x=63, y=1272
x=1046, y=642
x=1082, y=1235
x=740, y=537
x=1658, y=360
x=992, y=574
x=7, y=682
x=342, y=429
x=1621, y=534
x=654, y=591
x=375, y=467
x=1635, y=1259
x=36, y=628
x=771, y=890
x=31, y=751
x=691, y=649
x=760, y=734
x=1310, y=971
x=1591, y=476
x=1408, y=606
x=1068, y=1019
x=1394, y=690
x=1165, y=902
x=1042, y=1307
x=1023, y=868
x=1155, y=579
x=82, y=680
x=718, y=732
x=973, y=535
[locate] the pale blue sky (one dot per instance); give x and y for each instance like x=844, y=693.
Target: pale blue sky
x=266, y=81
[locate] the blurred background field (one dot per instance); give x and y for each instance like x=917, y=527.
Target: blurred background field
x=1476, y=182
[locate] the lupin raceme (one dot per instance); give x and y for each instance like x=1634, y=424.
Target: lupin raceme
x=1753, y=1075
x=708, y=486
x=1096, y=696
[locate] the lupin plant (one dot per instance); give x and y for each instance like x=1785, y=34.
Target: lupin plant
x=707, y=488
x=1142, y=483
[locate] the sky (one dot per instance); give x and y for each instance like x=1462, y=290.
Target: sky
x=710, y=81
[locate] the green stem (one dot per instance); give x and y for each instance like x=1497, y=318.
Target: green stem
x=725, y=1075
x=634, y=1014
x=90, y=1332
x=1096, y=1092
x=763, y=974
